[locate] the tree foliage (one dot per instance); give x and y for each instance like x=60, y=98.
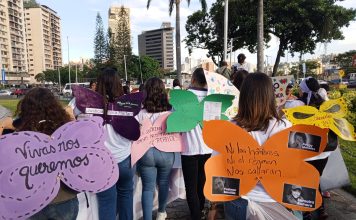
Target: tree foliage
x=121, y=43
x=298, y=24
x=100, y=42
x=31, y=4
x=344, y=61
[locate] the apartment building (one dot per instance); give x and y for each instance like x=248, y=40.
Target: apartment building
x=12, y=41
x=43, y=37
x=158, y=44
x=114, y=14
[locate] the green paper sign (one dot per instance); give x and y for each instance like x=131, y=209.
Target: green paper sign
x=189, y=112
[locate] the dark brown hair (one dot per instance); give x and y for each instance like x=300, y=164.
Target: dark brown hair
x=156, y=97
x=40, y=111
x=109, y=86
x=198, y=77
x=257, y=103
x=238, y=77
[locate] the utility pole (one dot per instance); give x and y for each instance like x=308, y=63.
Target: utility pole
x=125, y=67
x=260, y=46
x=226, y=20
x=70, y=87
x=139, y=60
x=76, y=73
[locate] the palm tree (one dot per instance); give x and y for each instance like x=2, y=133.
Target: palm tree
x=178, y=50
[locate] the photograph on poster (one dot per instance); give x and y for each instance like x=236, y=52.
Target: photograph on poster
x=298, y=195
x=225, y=186
x=304, y=141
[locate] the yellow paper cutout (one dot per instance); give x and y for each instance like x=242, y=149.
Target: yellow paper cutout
x=331, y=115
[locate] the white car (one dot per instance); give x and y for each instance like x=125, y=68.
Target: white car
x=5, y=92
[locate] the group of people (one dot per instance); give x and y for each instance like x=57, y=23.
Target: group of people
x=40, y=111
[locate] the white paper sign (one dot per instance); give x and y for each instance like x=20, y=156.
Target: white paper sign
x=212, y=111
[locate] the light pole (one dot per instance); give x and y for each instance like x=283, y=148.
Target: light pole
x=226, y=20
x=59, y=76
x=231, y=41
x=70, y=87
x=125, y=67
x=139, y=60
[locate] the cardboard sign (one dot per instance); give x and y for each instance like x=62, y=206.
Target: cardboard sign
x=330, y=115
x=154, y=135
x=120, y=113
x=280, y=84
x=218, y=84
x=189, y=112
x=32, y=165
x=278, y=164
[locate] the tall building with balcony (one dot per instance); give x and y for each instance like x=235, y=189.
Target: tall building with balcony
x=12, y=41
x=114, y=14
x=158, y=44
x=43, y=37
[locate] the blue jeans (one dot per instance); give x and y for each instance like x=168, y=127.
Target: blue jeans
x=67, y=210
x=155, y=167
x=236, y=209
x=118, y=198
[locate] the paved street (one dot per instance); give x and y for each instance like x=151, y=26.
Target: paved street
x=341, y=206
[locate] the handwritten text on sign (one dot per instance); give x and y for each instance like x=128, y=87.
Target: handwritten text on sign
x=33, y=164
x=154, y=135
x=50, y=166
x=255, y=158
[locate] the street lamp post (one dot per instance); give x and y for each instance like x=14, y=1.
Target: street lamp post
x=225, y=27
x=125, y=67
x=70, y=87
x=139, y=60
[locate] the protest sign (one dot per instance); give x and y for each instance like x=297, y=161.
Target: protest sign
x=330, y=115
x=189, y=112
x=154, y=135
x=218, y=84
x=33, y=164
x=242, y=163
x=280, y=84
x=120, y=114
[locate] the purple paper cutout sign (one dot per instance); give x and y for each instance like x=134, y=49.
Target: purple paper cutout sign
x=120, y=113
x=33, y=164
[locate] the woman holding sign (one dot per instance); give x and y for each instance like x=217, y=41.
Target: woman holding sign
x=40, y=111
x=119, y=198
x=155, y=165
x=257, y=114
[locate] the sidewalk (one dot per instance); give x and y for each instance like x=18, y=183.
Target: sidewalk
x=341, y=206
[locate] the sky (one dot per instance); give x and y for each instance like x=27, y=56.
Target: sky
x=78, y=24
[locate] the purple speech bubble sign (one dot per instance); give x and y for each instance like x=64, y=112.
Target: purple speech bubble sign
x=33, y=164
x=120, y=113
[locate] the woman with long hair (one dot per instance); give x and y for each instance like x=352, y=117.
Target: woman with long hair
x=40, y=111
x=257, y=114
x=119, y=198
x=155, y=165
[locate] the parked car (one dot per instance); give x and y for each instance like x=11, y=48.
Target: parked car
x=5, y=92
x=20, y=92
x=352, y=84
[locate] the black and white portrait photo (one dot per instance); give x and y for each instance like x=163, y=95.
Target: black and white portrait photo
x=225, y=186
x=298, y=195
x=304, y=141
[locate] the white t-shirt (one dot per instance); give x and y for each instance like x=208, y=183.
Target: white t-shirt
x=119, y=146
x=193, y=143
x=246, y=66
x=259, y=194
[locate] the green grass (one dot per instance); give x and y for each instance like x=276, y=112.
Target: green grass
x=348, y=150
x=11, y=104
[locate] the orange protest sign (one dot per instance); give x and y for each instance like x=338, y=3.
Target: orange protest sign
x=278, y=164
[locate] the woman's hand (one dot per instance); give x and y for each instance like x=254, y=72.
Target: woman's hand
x=6, y=123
